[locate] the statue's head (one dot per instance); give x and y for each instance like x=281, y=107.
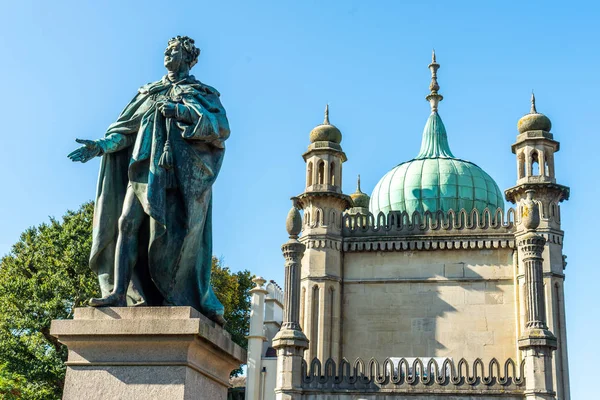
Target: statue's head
x=181, y=52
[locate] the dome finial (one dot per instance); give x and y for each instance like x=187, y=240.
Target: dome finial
x=360, y=199
x=533, y=110
x=326, y=132
x=534, y=121
x=434, y=97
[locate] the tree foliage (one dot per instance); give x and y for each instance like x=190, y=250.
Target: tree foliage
x=44, y=277
x=233, y=291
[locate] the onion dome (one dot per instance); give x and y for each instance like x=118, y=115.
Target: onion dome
x=534, y=121
x=326, y=132
x=360, y=199
x=435, y=180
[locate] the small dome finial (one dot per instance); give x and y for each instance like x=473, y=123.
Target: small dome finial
x=326, y=132
x=434, y=97
x=534, y=120
x=360, y=199
x=533, y=110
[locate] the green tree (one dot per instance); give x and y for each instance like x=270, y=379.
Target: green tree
x=233, y=291
x=44, y=277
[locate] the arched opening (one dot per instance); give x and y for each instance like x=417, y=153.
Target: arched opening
x=318, y=218
x=332, y=173
x=546, y=167
x=314, y=335
x=331, y=309
x=307, y=218
x=558, y=330
x=521, y=165
x=321, y=172
x=535, y=163
x=309, y=174
x=302, y=305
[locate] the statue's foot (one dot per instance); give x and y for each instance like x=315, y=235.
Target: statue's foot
x=141, y=303
x=218, y=318
x=112, y=300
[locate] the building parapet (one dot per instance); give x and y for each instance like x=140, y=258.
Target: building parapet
x=274, y=292
x=397, y=223
x=420, y=376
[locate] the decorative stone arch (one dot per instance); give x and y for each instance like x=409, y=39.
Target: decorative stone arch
x=521, y=165
x=332, y=218
x=314, y=334
x=535, y=167
x=321, y=172
x=332, y=174
x=309, y=174
x=319, y=218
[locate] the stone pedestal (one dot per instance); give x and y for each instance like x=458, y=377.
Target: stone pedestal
x=167, y=353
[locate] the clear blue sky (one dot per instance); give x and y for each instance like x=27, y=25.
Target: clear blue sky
x=69, y=67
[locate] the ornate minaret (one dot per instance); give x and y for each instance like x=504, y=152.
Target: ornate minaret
x=542, y=245
x=323, y=204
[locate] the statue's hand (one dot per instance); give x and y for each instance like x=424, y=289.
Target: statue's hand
x=167, y=109
x=85, y=153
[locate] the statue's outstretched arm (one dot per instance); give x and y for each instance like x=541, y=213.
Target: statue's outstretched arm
x=115, y=142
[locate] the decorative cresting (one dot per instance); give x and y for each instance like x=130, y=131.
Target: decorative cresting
x=275, y=291
x=493, y=378
x=398, y=231
x=401, y=221
x=435, y=179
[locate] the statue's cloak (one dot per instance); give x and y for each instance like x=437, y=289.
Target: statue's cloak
x=175, y=241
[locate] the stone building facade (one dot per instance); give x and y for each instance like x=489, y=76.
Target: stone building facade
x=428, y=288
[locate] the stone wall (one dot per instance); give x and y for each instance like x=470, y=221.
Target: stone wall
x=443, y=303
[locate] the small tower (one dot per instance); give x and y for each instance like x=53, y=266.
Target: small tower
x=360, y=203
x=323, y=203
x=536, y=182
x=324, y=158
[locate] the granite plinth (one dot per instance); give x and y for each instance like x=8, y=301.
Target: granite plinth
x=167, y=353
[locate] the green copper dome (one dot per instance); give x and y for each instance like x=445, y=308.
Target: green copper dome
x=435, y=180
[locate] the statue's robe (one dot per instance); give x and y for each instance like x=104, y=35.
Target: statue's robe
x=175, y=241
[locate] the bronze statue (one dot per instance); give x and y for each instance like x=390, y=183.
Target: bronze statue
x=152, y=237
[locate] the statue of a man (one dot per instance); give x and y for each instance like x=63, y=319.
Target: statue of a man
x=152, y=237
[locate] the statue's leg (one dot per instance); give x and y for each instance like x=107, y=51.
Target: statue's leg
x=130, y=221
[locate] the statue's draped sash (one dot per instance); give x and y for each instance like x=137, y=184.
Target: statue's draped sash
x=175, y=243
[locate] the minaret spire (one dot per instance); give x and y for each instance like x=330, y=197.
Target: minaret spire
x=434, y=97
x=533, y=110
x=358, y=184
x=326, y=120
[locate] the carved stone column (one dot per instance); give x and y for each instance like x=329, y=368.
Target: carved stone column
x=255, y=339
x=537, y=342
x=290, y=341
